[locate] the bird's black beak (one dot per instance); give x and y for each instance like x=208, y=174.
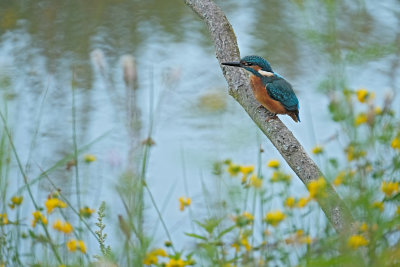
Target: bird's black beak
x=233, y=64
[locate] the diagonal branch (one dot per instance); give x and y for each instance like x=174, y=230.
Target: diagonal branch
x=281, y=137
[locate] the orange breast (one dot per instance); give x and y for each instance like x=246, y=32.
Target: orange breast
x=262, y=96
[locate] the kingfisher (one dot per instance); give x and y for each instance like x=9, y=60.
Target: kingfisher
x=270, y=89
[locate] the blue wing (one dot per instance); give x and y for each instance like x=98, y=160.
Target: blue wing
x=280, y=90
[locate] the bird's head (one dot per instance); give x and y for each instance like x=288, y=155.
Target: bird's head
x=255, y=64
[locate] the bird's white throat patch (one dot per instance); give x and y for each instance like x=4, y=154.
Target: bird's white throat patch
x=266, y=73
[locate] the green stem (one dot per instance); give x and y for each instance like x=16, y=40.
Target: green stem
x=28, y=187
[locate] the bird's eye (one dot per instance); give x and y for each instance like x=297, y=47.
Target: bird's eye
x=248, y=64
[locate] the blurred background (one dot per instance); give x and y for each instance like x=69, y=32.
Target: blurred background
x=101, y=77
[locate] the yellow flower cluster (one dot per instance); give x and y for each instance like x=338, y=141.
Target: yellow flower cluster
x=356, y=241
x=244, y=219
x=89, y=158
x=274, y=217
x=38, y=216
x=361, y=118
x=353, y=153
x=65, y=227
x=15, y=201
x=396, y=143
x=3, y=219
x=152, y=256
x=184, y=202
x=316, y=188
x=290, y=202
x=53, y=203
x=390, y=188
x=243, y=241
x=74, y=245
x=86, y=212
x=317, y=150
x=246, y=171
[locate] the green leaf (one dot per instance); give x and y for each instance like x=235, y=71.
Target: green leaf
x=196, y=236
x=227, y=230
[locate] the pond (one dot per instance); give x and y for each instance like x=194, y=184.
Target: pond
x=62, y=80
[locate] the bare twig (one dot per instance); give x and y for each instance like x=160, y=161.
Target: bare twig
x=281, y=137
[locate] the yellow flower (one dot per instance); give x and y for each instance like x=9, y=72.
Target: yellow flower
x=245, y=243
x=53, y=203
x=236, y=246
x=65, y=227
x=356, y=241
x=273, y=163
x=363, y=227
x=378, y=110
x=233, y=169
x=3, y=219
x=73, y=245
x=152, y=256
x=390, y=188
x=82, y=246
x=278, y=176
x=317, y=150
x=316, y=188
x=353, y=154
x=175, y=263
x=255, y=181
x=290, y=202
x=350, y=153
x=302, y=202
x=378, y=205
x=184, y=202
x=246, y=170
x=306, y=240
x=86, y=212
x=248, y=216
x=38, y=216
x=242, y=242
x=339, y=178
x=275, y=217
x=396, y=143
x=362, y=95
x=15, y=201
x=360, y=119
x=89, y=158
x=398, y=210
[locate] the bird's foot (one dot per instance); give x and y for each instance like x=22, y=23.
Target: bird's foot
x=273, y=117
x=260, y=107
